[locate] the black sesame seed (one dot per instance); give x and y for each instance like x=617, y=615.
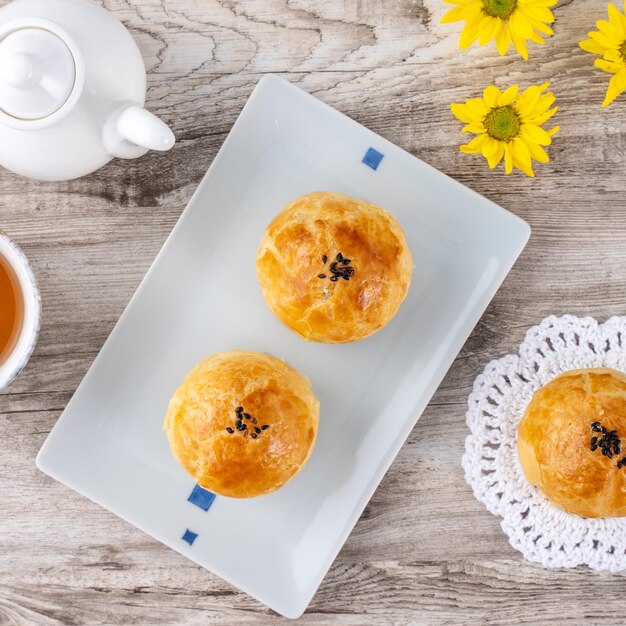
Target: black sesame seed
x=340, y=257
x=239, y=409
x=594, y=440
x=615, y=450
x=240, y=426
x=247, y=415
x=321, y=275
x=346, y=261
x=324, y=259
x=594, y=447
x=345, y=277
x=230, y=430
x=604, y=452
x=334, y=278
x=257, y=429
x=333, y=266
x=265, y=427
x=253, y=435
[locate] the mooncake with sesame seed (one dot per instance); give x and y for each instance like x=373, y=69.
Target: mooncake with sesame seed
x=242, y=423
x=572, y=442
x=334, y=269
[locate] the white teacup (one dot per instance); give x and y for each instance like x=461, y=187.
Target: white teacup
x=14, y=361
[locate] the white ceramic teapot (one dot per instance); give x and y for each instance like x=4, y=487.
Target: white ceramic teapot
x=72, y=90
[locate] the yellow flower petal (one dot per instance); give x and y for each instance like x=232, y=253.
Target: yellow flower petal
x=540, y=120
x=477, y=108
x=602, y=40
x=520, y=45
x=487, y=29
x=529, y=98
x=617, y=85
x=589, y=45
x=543, y=3
x=617, y=20
x=521, y=156
x=489, y=147
x=472, y=111
x=535, y=134
x=461, y=111
x=543, y=104
x=520, y=25
x=613, y=32
x=538, y=13
x=491, y=95
x=474, y=146
x=462, y=12
x=538, y=153
x=468, y=36
x=508, y=96
x=495, y=158
x=615, y=56
x=542, y=28
x=508, y=160
x=454, y=15
x=503, y=40
x=474, y=127
x=608, y=66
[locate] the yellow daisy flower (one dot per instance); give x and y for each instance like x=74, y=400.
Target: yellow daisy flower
x=506, y=21
x=509, y=126
x=610, y=41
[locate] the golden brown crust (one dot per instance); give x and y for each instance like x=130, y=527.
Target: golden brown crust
x=323, y=224
x=554, y=442
x=244, y=463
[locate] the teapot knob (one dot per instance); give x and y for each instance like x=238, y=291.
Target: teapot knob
x=20, y=70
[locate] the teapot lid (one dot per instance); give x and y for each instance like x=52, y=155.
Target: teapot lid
x=37, y=73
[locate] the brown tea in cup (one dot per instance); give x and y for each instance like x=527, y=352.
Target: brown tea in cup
x=11, y=308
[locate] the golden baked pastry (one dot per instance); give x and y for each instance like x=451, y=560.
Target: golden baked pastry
x=570, y=442
x=242, y=423
x=333, y=268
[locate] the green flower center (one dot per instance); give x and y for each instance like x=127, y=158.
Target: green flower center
x=502, y=123
x=499, y=8
x=622, y=51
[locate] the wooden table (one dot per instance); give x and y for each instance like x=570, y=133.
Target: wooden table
x=424, y=551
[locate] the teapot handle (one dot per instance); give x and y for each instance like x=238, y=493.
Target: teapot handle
x=131, y=131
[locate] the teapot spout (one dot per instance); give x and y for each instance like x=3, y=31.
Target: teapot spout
x=133, y=131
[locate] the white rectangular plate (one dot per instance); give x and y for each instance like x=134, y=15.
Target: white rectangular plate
x=201, y=296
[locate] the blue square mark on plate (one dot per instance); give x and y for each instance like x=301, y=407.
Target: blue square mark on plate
x=189, y=537
x=201, y=498
x=373, y=158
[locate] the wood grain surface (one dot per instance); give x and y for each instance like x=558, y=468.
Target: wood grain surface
x=424, y=551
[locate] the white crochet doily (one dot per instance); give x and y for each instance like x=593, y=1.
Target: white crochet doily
x=539, y=530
